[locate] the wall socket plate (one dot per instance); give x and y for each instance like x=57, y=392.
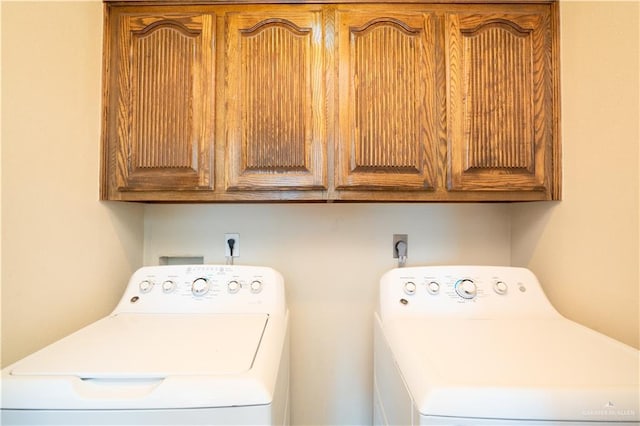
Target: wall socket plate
x=236, y=246
x=396, y=239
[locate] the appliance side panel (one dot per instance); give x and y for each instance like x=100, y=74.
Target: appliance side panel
x=281, y=398
x=394, y=402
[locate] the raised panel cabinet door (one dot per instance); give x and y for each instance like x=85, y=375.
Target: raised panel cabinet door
x=500, y=101
x=387, y=112
x=275, y=123
x=162, y=108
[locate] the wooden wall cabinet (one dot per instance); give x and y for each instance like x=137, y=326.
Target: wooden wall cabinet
x=275, y=117
x=160, y=103
x=499, y=101
x=387, y=110
x=441, y=101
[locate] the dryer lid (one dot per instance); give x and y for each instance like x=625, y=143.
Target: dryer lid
x=152, y=346
x=550, y=369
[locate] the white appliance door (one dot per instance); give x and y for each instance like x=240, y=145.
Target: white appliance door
x=551, y=369
x=144, y=361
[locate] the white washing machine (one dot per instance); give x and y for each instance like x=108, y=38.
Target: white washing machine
x=186, y=345
x=478, y=345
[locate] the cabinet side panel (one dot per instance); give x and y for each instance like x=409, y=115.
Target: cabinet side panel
x=107, y=160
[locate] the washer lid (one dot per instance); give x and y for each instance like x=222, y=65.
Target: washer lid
x=551, y=369
x=153, y=346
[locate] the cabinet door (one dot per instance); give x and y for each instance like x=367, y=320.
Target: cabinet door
x=500, y=101
x=161, y=110
x=387, y=111
x=275, y=100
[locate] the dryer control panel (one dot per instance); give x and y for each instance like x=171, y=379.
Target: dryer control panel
x=464, y=292
x=204, y=289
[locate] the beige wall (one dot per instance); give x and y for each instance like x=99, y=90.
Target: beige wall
x=331, y=256
x=585, y=248
x=65, y=256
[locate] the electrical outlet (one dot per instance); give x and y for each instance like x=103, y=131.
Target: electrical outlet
x=396, y=239
x=236, y=244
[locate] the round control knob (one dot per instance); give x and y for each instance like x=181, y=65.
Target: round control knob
x=410, y=287
x=466, y=289
x=233, y=286
x=146, y=286
x=256, y=286
x=200, y=287
x=168, y=286
x=433, y=287
x=500, y=287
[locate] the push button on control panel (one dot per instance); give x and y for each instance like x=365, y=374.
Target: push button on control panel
x=146, y=286
x=168, y=286
x=256, y=286
x=233, y=286
x=433, y=287
x=410, y=288
x=500, y=287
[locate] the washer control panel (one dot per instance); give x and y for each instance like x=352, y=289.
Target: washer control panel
x=466, y=291
x=203, y=289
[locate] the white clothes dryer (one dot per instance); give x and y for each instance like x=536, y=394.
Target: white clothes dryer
x=480, y=345
x=186, y=345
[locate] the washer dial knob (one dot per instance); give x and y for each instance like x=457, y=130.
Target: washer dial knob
x=466, y=289
x=256, y=286
x=500, y=287
x=168, y=286
x=410, y=287
x=145, y=286
x=200, y=287
x=433, y=287
x=233, y=286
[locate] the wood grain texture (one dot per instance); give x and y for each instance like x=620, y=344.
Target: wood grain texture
x=298, y=2
x=386, y=128
x=387, y=133
x=336, y=101
x=163, y=85
x=276, y=114
x=555, y=147
x=499, y=102
x=274, y=136
x=162, y=133
x=498, y=128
